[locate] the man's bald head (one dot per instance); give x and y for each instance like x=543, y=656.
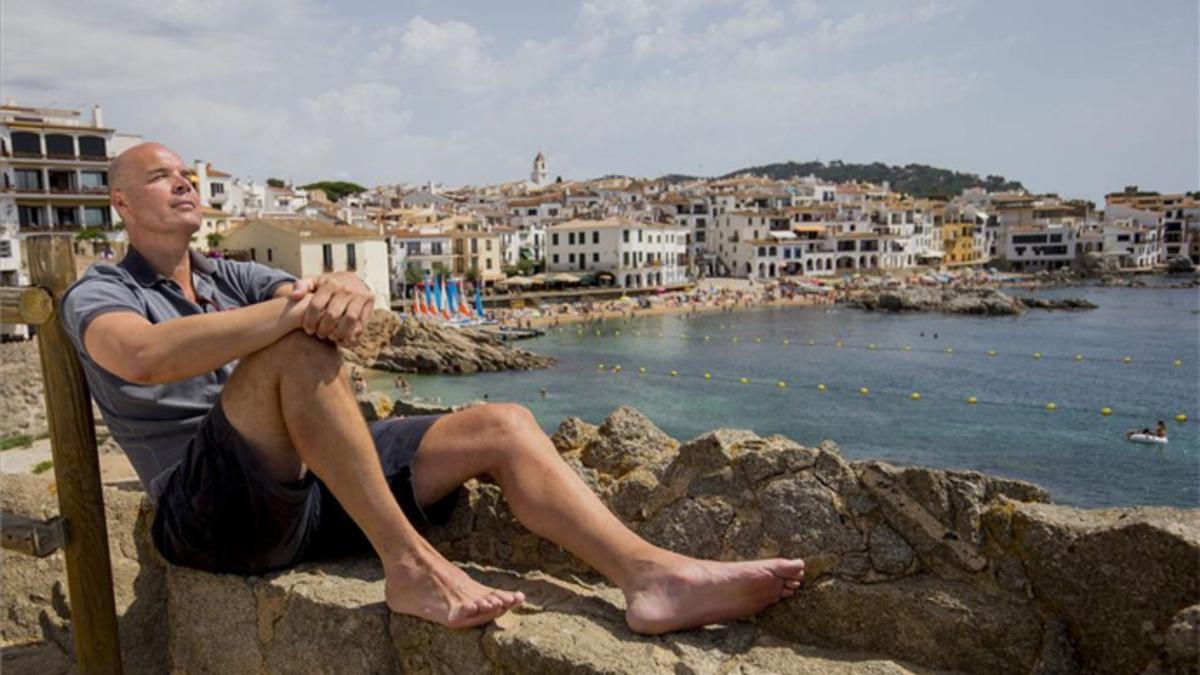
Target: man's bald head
x=124, y=170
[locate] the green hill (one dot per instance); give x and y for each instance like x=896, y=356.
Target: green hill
x=915, y=179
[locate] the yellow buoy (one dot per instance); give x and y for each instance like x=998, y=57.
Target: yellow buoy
x=821, y=387
x=758, y=340
x=579, y=332
x=674, y=373
x=616, y=369
x=1051, y=407
x=744, y=381
x=597, y=332
x=871, y=346
x=916, y=396
x=949, y=350
x=838, y=343
x=599, y=366
x=782, y=384
x=1181, y=418
x=991, y=352
x=708, y=376
x=1037, y=355
x=972, y=400
x=863, y=391
x=1079, y=357
x=706, y=338
x=812, y=342
x=660, y=333
x=907, y=348
x=1178, y=363
x=642, y=371
x=735, y=338
x=1127, y=359
x=787, y=341
x=617, y=333
x=1105, y=412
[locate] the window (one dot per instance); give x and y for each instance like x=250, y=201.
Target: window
x=351, y=257
x=326, y=256
x=216, y=189
x=571, y=258
x=639, y=236
x=555, y=258
x=625, y=236
x=595, y=257
x=26, y=144
x=270, y=254
x=532, y=212
x=487, y=263
x=28, y=179
x=596, y=237
x=625, y=259
x=554, y=239
x=60, y=146
x=435, y=248
x=31, y=216
x=474, y=246
x=570, y=239
x=93, y=180
x=96, y=216
x=92, y=147
x=413, y=248
x=253, y=254
x=66, y=216
x=487, y=245
x=5, y=248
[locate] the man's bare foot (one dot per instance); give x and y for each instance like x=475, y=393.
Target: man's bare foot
x=435, y=590
x=682, y=592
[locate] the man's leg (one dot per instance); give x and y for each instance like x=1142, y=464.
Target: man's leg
x=664, y=591
x=293, y=404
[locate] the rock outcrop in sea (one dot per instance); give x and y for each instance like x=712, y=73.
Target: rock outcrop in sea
x=952, y=300
x=412, y=346
x=910, y=569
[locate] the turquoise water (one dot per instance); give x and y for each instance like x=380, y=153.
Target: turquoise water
x=1074, y=451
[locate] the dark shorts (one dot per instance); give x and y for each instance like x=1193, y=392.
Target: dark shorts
x=220, y=511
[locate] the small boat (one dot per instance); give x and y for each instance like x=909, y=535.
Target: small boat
x=1149, y=439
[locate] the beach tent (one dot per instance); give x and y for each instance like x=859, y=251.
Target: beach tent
x=515, y=281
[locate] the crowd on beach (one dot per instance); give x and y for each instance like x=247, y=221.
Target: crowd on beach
x=705, y=297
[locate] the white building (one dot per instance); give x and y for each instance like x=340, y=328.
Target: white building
x=311, y=247
x=54, y=169
x=1039, y=247
x=539, y=175
x=636, y=254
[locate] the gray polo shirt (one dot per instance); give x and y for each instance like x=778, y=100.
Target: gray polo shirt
x=154, y=423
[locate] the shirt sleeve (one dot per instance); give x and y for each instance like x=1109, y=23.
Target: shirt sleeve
x=256, y=282
x=99, y=291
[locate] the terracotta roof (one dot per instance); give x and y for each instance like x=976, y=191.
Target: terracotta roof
x=315, y=229
x=215, y=213
x=612, y=223
x=214, y=173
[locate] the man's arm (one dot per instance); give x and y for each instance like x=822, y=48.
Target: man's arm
x=340, y=306
x=132, y=348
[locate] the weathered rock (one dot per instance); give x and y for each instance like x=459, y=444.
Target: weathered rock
x=628, y=440
x=573, y=435
x=1069, y=304
x=36, y=632
x=412, y=346
x=1118, y=577
x=981, y=301
x=944, y=624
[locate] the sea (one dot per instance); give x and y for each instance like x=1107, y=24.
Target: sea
x=1044, y=397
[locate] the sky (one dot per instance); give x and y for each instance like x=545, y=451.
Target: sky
x=1076, y=97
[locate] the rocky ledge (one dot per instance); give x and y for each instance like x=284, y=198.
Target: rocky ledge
x=911, y=570
x=412, y=346
x=979, y=301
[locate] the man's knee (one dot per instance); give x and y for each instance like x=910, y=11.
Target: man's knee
x=294, y=351
x=510, y=426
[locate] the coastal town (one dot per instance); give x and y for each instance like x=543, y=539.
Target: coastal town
x=549, y=233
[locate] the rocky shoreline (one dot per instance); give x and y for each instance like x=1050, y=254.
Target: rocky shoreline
x=410, y=346
x=910, y=569
x=955, y=300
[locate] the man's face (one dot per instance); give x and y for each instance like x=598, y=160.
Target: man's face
x=158, y=195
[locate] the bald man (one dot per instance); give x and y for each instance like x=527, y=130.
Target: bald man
x=223, y=384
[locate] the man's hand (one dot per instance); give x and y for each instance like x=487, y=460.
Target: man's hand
x=339, y=309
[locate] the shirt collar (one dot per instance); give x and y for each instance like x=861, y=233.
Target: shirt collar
x=141, y=270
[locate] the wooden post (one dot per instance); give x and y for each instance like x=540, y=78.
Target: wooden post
x=76, y=467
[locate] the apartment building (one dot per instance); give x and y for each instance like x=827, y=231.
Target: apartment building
x=636, y=254
x=54, y=169
x=306, y=247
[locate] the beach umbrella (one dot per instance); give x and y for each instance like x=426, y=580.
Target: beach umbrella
x=418, y=307
x=444, y=306
x=428, y=297
x=478, y=301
